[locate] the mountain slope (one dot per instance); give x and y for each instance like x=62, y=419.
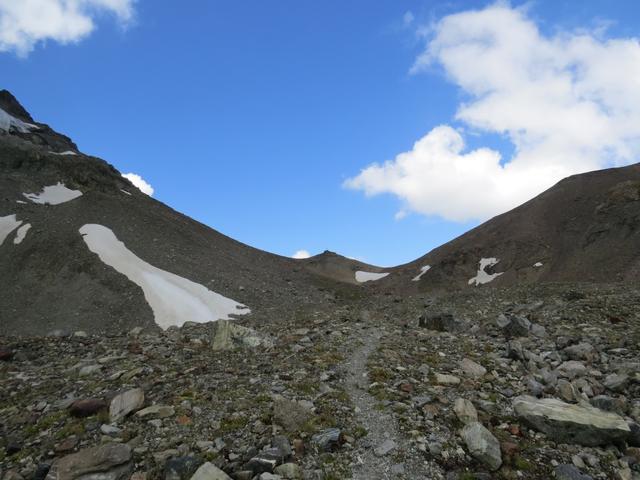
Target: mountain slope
x=584, y=229
x=51, y=279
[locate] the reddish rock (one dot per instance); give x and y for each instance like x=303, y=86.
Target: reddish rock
x=298, y=447
x=406, y=387
x=183, y=420
x=509, y=449
x=87, y=407
x=515, y=430
x=6, y=354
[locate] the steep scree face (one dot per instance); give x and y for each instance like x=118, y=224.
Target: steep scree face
x=83, y=249
x=584, y=229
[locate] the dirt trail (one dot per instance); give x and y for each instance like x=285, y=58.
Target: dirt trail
x=383, y=453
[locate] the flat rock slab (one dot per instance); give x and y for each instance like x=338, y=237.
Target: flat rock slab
x=568, y=423
x=108, y=462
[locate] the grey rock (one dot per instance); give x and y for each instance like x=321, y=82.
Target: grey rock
x=581, y=351
x=209, y=471
x=265, y=461
x=517, y=326
x=89, y=370
x=465, y=411
x=281, y=443
x=482, y=445
x=566, y=423
x=444, y=379
x=472, y=369
x=329, y=439
x=125, y=403
x=572, y=369
x=616, y=382
x=108, y=462
x=569, y=472
x=566, y=391
x=385, y=448
x=538, y=330
x=290, y=471
x=634, y=436
x=610, y=404
x=181, y=468
x=535, y=388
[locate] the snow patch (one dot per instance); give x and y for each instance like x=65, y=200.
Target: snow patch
x=54, y=195
x=124, y=191
x=21, y=233
x=21, y=201
x=423, y=270
x=67, y=152
x=482, y=276
x=9, y=122
x=7, y=225
x=173, y=299
x=537, y=264
x=362, y=277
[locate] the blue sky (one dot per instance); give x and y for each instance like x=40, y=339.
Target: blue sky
x=251, y=116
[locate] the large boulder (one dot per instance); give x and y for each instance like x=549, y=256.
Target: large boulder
x=108, y=462
x=482, y=445
x=567, y=423
x=228, y=335
x=125, y=403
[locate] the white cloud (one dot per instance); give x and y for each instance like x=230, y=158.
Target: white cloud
x=24, y=23
x=408, y=18
x=139, y=182
x=569, y=103
x=301, y=254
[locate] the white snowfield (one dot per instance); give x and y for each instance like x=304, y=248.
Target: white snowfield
x=9, y=122
x=173, y=299
x=483, y=277
x=423, y=270
x=21, y=233
x=54, y=195
x=537, y=264
x=7, y=225
x=362, y=277
x=66, y=152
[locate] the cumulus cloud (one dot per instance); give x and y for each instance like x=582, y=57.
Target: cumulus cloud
x=139, y=182
x=568, y=103
x=24, y=23
x=301, y=254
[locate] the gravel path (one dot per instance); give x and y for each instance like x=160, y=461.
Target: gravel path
x=383, y=453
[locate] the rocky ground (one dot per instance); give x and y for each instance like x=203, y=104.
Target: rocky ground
x=528, y=382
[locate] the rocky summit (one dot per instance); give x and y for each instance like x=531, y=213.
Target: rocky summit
x=137, y=343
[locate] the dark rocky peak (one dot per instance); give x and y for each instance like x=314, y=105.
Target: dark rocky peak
x=21, y=127
x=10, y=104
